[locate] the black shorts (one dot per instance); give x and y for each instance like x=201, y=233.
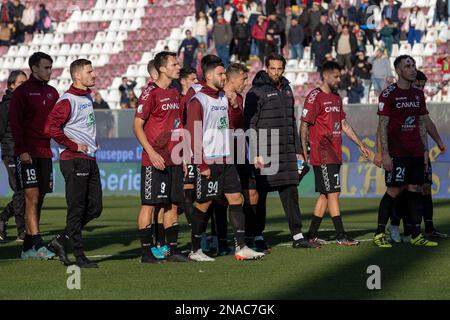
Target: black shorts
x=428, y=178
x=328, y=178
x=224, y=179
x=38, y=174
x=406, y=170
x=247, y=176
x=161, y=186
x=191, y=173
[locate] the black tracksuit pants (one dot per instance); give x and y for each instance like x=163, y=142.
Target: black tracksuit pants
x=16, y=207
x=83, y=197
x=289, y=200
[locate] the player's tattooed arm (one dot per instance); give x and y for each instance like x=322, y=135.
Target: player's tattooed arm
x=348, y=130
x=386, y=158
x=383, y=125
x=304, y=137
x=423, y=131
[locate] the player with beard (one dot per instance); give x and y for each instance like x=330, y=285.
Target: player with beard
x=402, y=121
x=208, y=126
x=399, y=214
x=323, y=120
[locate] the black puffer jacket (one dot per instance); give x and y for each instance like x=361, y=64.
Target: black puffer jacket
x=270, y=107
x=6, y=138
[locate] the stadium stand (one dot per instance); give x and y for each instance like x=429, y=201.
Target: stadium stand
x=120, y=36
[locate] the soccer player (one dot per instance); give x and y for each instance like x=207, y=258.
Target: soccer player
x=269, y=107
x=237, y=79
x=16, y=207
x=398, y=215
x=71, y=123
x=208, y=125
x=30, y=105
x=157, y=118
x=323, y=121
x=188, y=77
x=402, y=120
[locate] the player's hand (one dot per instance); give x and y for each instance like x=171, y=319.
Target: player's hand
x=82, y=148
x=232, y=99
x=442, y=147
x=258, y=162
x=157, y=160
x=378, y=159
x=364, y=151
x=25, y=158
x=206, y=173
x=387, y=162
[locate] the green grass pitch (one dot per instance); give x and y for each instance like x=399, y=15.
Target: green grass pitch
x=331, y=272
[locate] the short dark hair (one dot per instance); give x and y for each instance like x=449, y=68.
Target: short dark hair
x=399, y=60
x=236, y=68
x=277, y=57
x=211, y=64
x=78, y=64
x=209, y=58
x=151, y=66
x=36, y=58
x=185, y=72
x=330, y=66
x=13, y=77
x=161, y=59
x=421, y=76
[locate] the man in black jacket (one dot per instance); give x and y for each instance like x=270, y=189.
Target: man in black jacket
x=269, y=110
x=16, y=207
x=319, y=49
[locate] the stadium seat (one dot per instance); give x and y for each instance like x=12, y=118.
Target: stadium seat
x=86, y=16
x=307, y=53
x=12, y=51
x=75, y=49
x=301, y=79
x=23, y=51
x=118, y=14
x=19, y=63
x=60, y=62
x=111, y=36
x=431, y=36
x=417, y=49
x=430, y=49
x=107, y=48
x=100, y=37
x=4, y=74
x=405, y=48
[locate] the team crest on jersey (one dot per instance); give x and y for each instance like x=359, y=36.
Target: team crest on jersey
x=337, y=126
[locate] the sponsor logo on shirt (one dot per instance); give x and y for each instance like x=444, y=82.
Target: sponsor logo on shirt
x=218, y=108
x=164, y=100
x=410, y=104
x=223, y=123
x=332, y=109
x=272, y=94
x=388, y=90
x=170, y=106
x=313, y=95
x=409, y=124
x=83, y=106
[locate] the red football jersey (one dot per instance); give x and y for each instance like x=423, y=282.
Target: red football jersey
x=160, y=108
x=403, y=107
x=324, y=113
x=236, y=115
